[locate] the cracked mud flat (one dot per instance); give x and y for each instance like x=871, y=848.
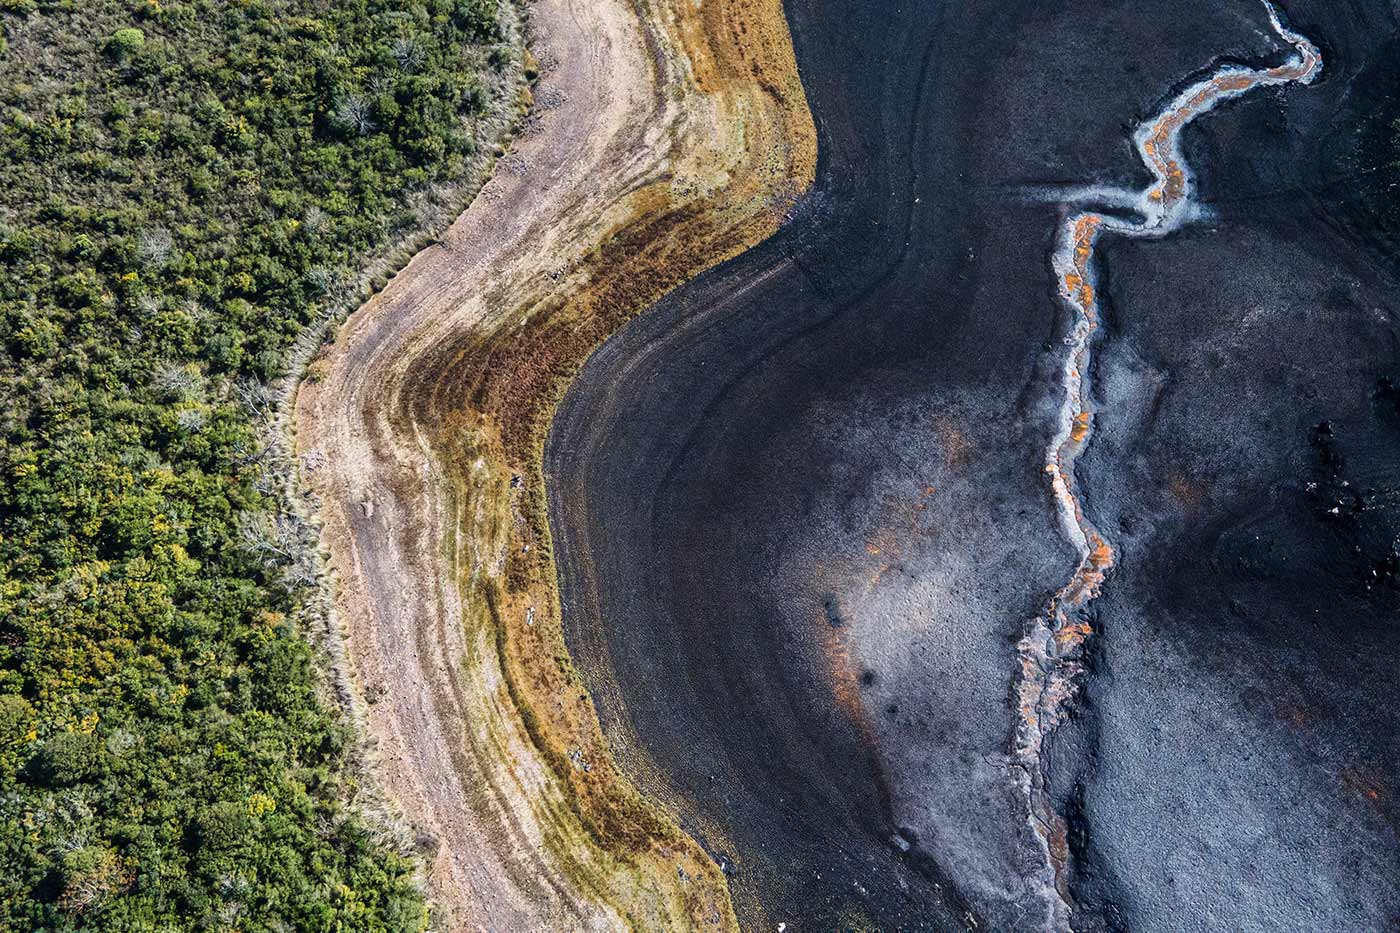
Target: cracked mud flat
x=802, y=512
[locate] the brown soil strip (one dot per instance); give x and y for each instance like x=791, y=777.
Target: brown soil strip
x=665, y=137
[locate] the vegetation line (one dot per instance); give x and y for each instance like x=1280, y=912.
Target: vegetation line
x=664, y=140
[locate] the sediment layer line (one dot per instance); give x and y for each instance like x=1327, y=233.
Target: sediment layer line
x=664, y=138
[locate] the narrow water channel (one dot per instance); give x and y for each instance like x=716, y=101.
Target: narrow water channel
x=1051, y=652
x=829, y=514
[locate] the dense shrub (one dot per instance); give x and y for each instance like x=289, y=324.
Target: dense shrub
x=181, y=184
x=125, y=43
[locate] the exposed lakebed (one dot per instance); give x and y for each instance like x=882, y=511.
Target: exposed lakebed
x=802, y=514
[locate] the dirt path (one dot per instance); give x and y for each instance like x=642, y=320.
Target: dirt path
x=619, y=111
x=385, y=512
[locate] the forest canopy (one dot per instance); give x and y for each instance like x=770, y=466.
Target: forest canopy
x=183, y=184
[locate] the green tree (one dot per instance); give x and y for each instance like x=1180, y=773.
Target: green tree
x=125, y=43
x=178, y=202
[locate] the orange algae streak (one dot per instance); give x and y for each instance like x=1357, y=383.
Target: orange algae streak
x=1050, y=655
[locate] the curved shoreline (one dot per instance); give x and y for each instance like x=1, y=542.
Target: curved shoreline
x=663, y=141
x=838, y=478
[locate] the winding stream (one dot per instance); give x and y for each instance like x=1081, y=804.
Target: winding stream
x=1050, y=655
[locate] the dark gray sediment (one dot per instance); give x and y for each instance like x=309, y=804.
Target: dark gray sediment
x=801, y=512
